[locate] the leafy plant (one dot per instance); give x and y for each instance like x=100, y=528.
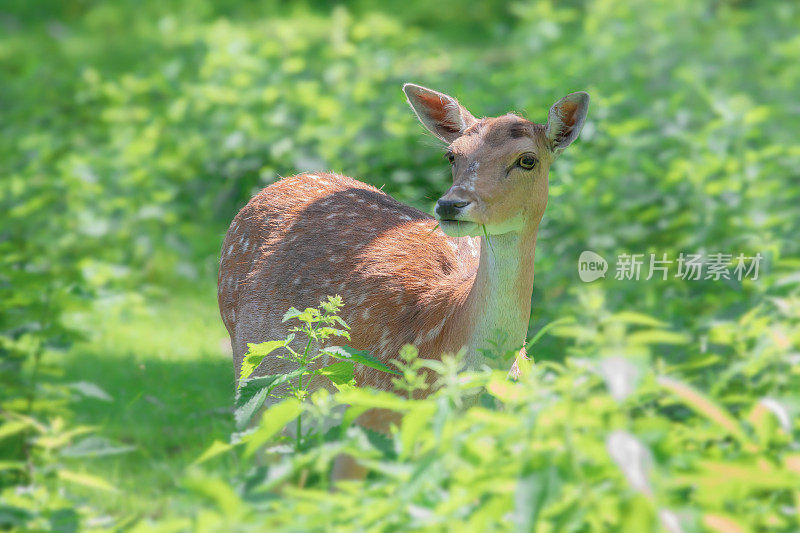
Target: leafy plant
x=317, y=326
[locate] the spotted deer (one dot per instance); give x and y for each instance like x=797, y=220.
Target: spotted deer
x=460, y=280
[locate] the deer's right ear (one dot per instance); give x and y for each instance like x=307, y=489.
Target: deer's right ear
x=565, y=120
x=440, y=113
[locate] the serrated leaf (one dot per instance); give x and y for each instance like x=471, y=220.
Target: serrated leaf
x=256, y=352
x=381, y=443
x=253, y=392
x=358, y=356
x=308, y=315
x=340, y=373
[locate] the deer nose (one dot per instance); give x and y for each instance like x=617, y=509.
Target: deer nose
x=449, y=209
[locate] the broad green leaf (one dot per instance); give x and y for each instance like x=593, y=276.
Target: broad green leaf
x=358, y=356
x=254, y=391
x=412, y=427
x=256, y=354
x=372, y=398
x=308, y=315
x=340, y=373
x=273, y=420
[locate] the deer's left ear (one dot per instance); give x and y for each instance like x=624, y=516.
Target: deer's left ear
x=566, y=119
x=440, y=113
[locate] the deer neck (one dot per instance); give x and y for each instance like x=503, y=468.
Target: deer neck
x=499, y=302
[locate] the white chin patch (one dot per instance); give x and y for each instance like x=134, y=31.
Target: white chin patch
x=515, y=223
x=460, y=229
x=471, y=229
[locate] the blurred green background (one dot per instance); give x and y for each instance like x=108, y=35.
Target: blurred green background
x=131, y=132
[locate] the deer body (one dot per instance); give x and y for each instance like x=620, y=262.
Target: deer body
x=403, y=280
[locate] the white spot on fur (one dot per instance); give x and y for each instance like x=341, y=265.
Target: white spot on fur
x=332, y=215
x=433, y=333
x=453, y=245
x=361, y=299
x=245, y=246
x=335, y=259
x=365, y=314
x=230, y=249
x=384, y=342
x=296, y=281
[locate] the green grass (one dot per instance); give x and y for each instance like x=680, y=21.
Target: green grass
x=165, y=364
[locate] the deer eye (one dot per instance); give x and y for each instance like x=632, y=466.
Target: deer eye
x=450, y=157
x=526, y=161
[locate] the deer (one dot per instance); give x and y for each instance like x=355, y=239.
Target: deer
x=461, y=280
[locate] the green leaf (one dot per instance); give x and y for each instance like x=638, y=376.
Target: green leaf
x=546, y=328
x=657, y=336
x=256, y=354
x=328, y=331
x=704, y=406
x=273, y=420
x=358, y=356
x=308, y=315
x=529, y=497
x=91, y=390
x=217, y=448
x=639, y=319
x=11, y=465
x=381, y=442
x=12, y=428
x=87, y=480
x=94, y=446
x=340, y=373
x=253, y=392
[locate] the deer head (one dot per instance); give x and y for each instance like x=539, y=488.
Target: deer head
x=500, y=165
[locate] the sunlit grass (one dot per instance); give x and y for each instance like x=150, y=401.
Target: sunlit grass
x=165, y=363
